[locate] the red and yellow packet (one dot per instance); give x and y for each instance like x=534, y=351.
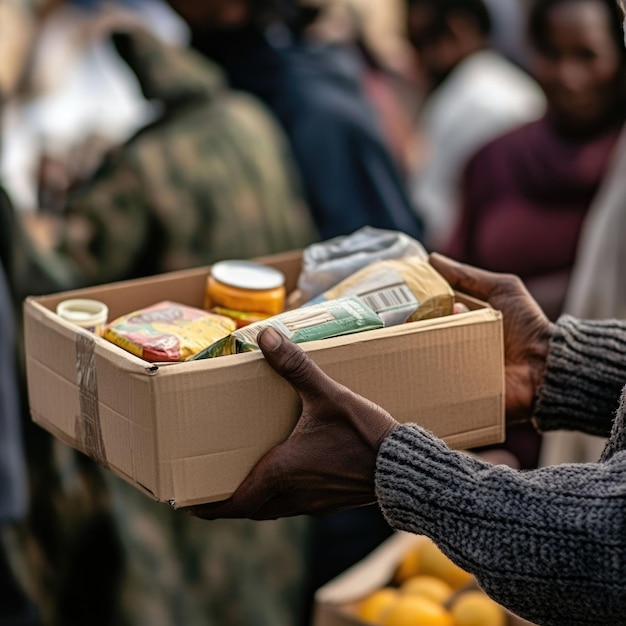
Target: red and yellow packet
x=168, y=331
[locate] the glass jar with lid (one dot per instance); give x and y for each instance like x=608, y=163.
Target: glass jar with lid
x=246, y=286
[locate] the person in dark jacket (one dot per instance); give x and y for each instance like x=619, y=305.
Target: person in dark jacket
x=315, y=90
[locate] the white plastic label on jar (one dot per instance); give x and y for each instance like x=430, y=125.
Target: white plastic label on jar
x=91, y=315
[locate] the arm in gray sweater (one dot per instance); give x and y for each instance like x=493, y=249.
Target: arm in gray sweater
x=549, y=544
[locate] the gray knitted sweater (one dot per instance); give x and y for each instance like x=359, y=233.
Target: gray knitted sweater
x=549, y=544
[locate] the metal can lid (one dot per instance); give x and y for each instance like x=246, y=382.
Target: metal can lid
x=247, y=275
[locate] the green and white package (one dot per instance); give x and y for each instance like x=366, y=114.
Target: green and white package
x=332, y=318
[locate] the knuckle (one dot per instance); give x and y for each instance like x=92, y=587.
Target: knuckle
x=297, y=365
x=511, y=283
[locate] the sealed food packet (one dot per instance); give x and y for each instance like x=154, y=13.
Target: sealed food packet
x=322, y=321
x=398, y=290
x=329, y=262
x=167, y=331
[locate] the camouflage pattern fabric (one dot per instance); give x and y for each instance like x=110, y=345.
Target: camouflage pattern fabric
x=210, y=179
x=183, y=570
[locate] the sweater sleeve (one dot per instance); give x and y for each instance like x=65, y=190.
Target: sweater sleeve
x=549, y=544
x=585, y=372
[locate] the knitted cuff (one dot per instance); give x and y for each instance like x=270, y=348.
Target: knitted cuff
x=584, y=375
x=417, y=481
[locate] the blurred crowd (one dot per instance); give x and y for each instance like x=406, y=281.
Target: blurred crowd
x=144, y=136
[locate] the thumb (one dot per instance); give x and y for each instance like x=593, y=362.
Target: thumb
x=291, y=362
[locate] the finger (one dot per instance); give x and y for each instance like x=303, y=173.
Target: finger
x=235, y=507
x=470, y=280
x=250, y=496
x=215, y=510
x=292, y=363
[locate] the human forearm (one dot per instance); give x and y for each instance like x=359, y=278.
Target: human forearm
x=529, y=537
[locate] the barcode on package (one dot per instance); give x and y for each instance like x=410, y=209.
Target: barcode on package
x=389, y=298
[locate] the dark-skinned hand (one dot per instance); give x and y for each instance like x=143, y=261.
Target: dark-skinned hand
x=527, y=330
x=328, y=462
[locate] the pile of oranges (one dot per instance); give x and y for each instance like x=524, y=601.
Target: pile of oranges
x=428, y=589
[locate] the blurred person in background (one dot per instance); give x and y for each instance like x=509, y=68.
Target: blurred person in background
x=78, y=100
x=210, y=176
x=65, y=556
x=474, y=94
x=16, y=607
x=376, y=33
x=508, y=36
x=382, y=25
x=315, y=89
x=526, y=195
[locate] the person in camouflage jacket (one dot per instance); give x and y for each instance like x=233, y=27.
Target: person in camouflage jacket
x=210, y=178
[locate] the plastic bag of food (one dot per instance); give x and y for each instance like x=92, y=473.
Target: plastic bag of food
x=167, y=331
x=327, y=263
x=321, y=321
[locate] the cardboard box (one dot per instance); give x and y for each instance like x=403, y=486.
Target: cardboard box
x=334, y=602
x=188, y=433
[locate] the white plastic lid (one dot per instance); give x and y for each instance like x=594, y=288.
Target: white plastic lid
x=247, y=275
x=83, y=312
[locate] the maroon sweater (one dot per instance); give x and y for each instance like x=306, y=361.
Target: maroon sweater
x=524, y=198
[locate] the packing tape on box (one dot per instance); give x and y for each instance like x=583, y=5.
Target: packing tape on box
x=88, y=428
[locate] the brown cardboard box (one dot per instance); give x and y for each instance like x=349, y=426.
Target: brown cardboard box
x=188, y=433
x=334, y=601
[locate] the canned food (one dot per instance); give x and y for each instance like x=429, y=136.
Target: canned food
x=246, y=286
x=91, y=315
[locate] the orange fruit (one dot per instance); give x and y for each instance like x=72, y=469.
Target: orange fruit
x=476, y=608
x=374, y=606
x=409, y=564
x=410, y=610
x=428, y=586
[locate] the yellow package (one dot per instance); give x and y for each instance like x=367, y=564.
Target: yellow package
x=398, y=290
x=168, y=331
